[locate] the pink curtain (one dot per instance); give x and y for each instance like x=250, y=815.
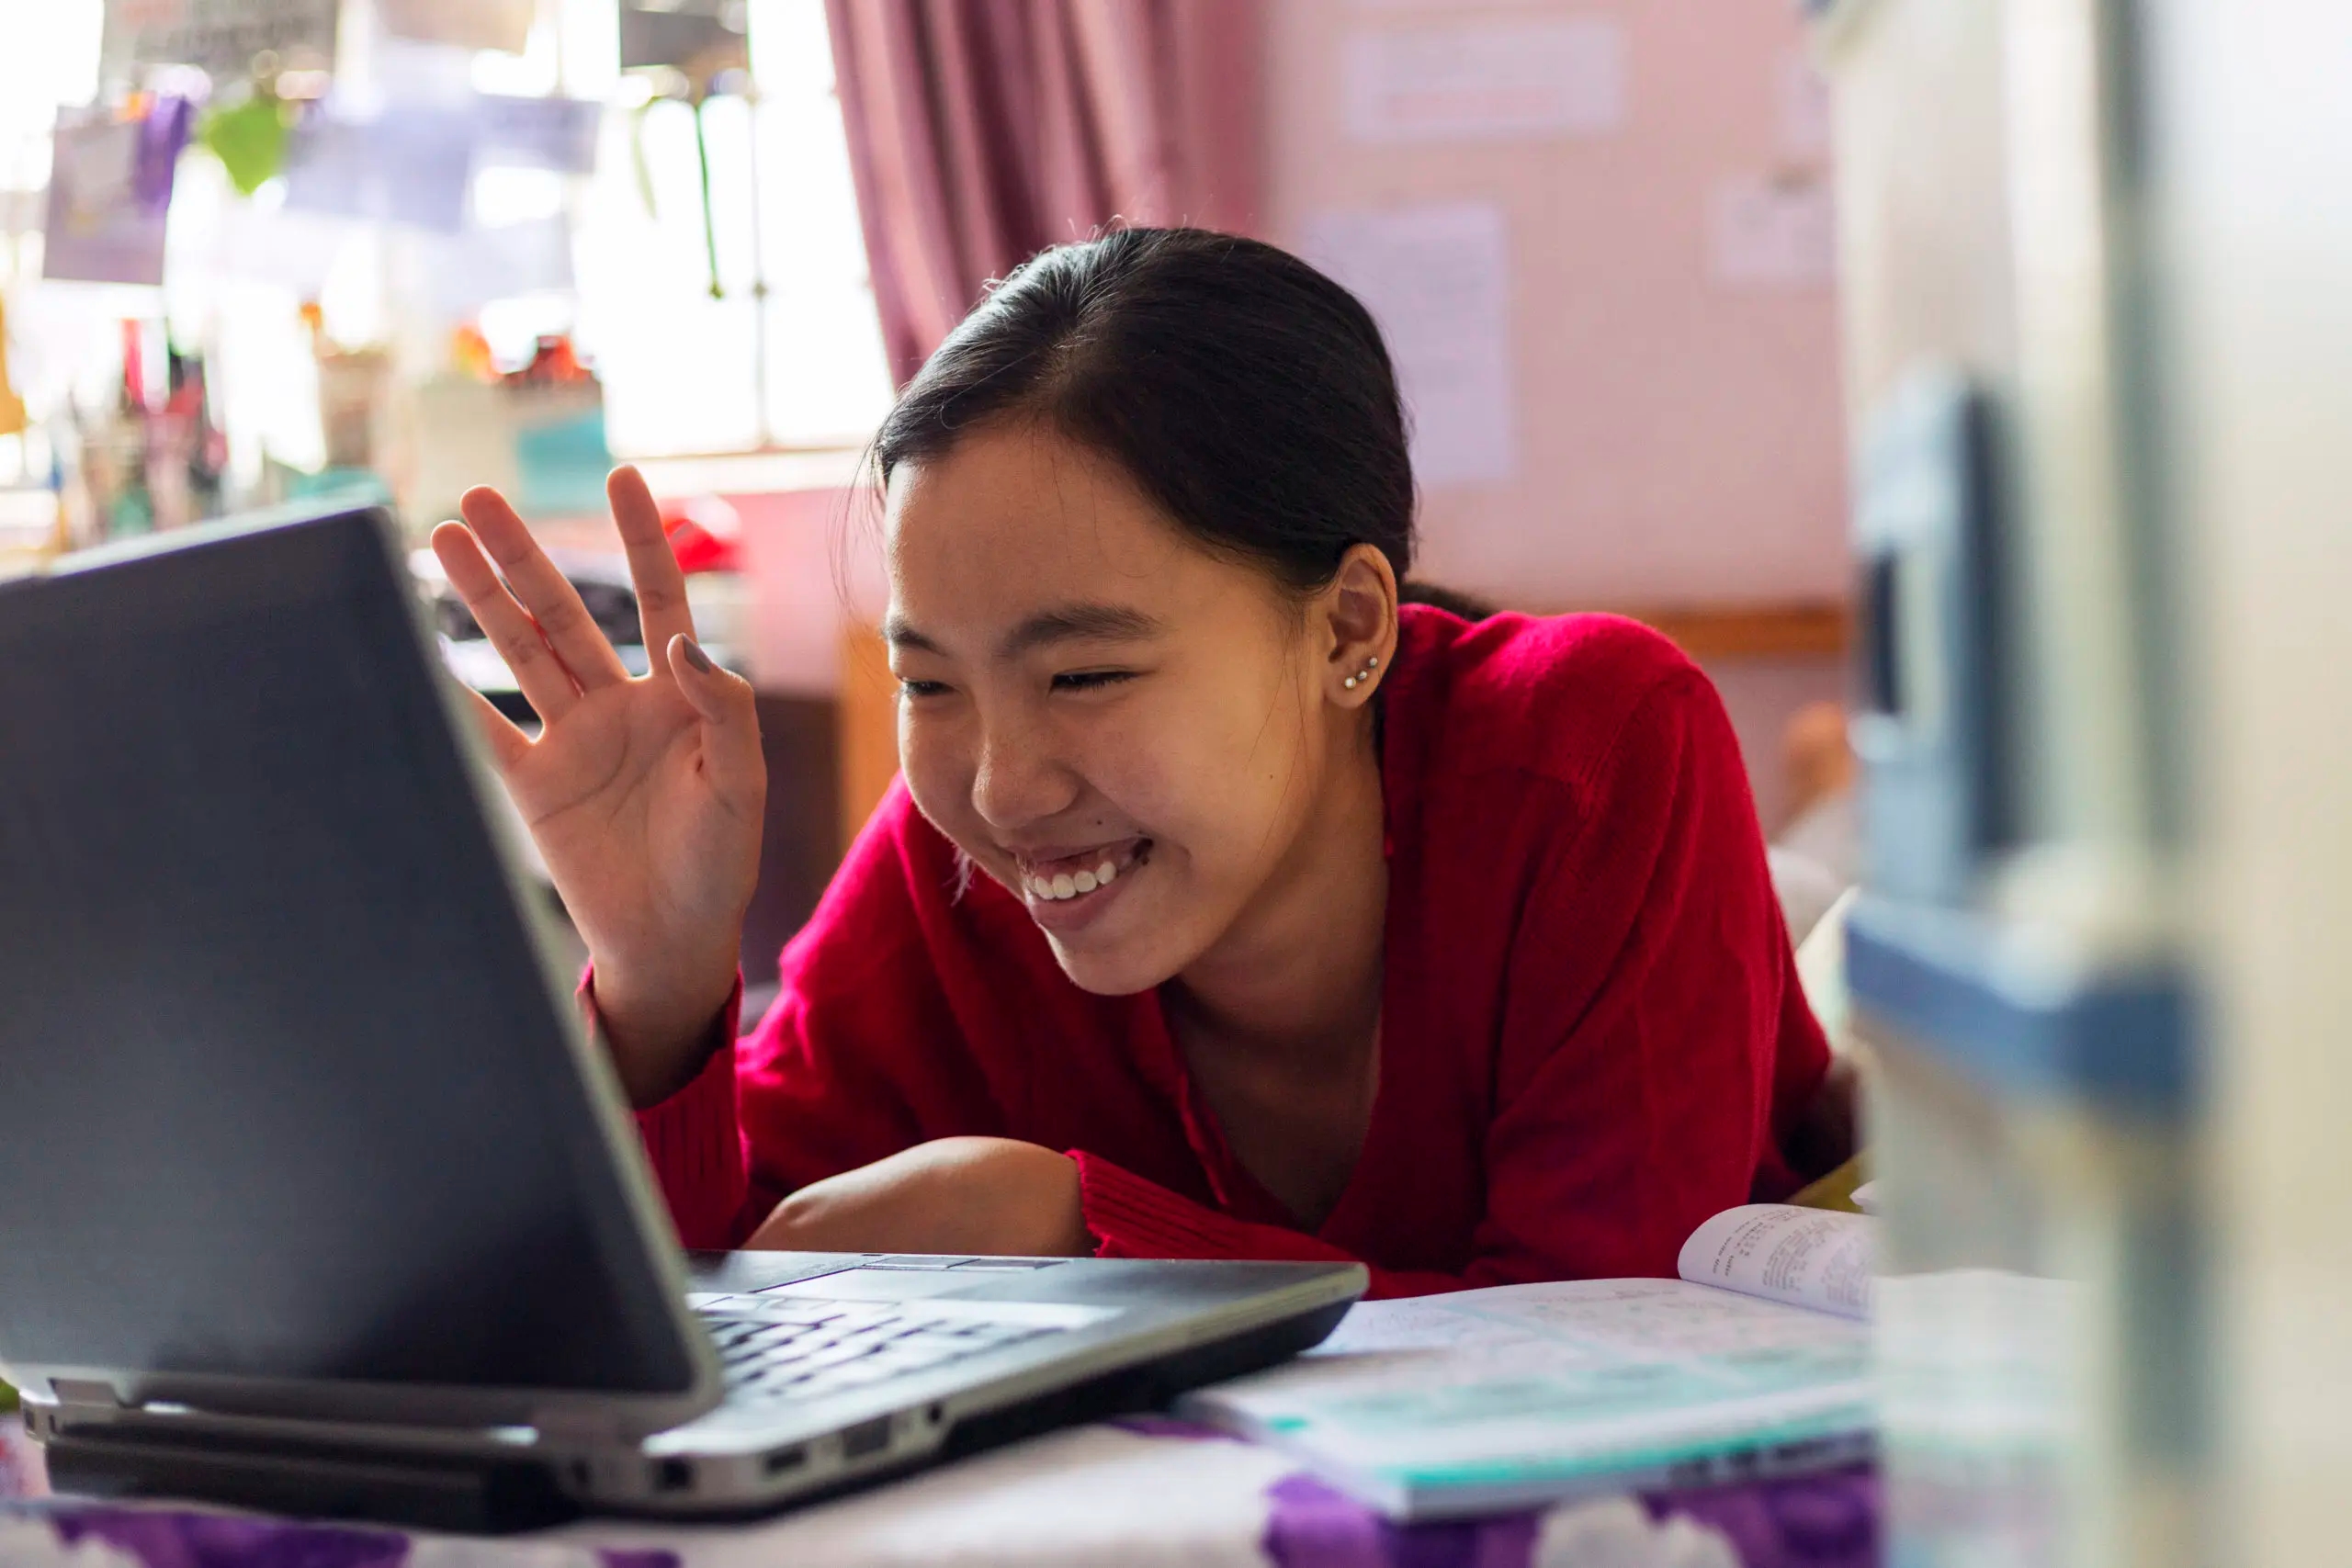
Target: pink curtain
x=981, y=131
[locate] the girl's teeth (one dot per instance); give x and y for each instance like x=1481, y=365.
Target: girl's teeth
x=1066, y=886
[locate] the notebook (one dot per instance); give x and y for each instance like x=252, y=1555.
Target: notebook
x=1755, y=1362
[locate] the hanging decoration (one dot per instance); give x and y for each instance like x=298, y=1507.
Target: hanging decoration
x=249, y=136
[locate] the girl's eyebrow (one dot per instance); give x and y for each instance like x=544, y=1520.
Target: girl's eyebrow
x=1071, y=623
x=1064, y=623
x=898, y=634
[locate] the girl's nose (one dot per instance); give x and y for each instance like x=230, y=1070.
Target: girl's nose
x=1021, y=779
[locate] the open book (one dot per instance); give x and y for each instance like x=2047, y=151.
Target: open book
x=1755, y=1362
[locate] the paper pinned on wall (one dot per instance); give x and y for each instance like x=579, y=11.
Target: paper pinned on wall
x=1437, y=278
x=1771, y=233
x=99, y=230
x=408, y=165
x=538, y=133
x=1805, y=120
x=1485, y=81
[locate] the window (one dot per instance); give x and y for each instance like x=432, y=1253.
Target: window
x=48, y=56
x=765, y=336
x=784, y=353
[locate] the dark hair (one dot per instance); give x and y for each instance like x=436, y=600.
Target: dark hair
x=1248, y=395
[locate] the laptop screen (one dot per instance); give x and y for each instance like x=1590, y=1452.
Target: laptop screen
x=285, y=1091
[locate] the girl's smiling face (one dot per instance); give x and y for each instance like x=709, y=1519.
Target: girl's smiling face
x=1127, y=730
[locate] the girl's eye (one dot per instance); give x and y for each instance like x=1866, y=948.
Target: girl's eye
x=1090, y=680
x=921, y=688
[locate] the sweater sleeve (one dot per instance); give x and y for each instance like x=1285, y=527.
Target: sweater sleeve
x=691, y=1139
x=1130, y=1217
x=1655, y=1046
x=859, y=1057
x=693, y=1143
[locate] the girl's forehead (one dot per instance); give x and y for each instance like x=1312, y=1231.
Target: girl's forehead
x=1011, y=529
x=1025, y=507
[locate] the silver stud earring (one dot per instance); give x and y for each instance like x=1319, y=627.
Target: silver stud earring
x=1363, y=675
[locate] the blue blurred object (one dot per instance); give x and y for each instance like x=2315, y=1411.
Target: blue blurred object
x=561, y=466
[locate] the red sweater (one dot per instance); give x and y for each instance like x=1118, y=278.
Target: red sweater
x=1592, y=1032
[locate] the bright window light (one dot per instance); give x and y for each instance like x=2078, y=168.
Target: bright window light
x=765, y=335
x=503, y=197
x=49, y=57
x=761, y=336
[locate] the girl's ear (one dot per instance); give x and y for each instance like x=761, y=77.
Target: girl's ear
x=1358, y=616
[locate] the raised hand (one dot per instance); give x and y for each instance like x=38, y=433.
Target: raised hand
x=645, y=796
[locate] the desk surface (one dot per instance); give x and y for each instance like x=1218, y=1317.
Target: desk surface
x=1134, y=1494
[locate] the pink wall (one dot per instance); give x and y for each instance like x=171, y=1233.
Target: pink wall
x=1679, y=435
x=813, y=559
x=1679, y=439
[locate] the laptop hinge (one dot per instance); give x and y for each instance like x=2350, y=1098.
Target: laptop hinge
x=575, y=1427
x=86, y=1392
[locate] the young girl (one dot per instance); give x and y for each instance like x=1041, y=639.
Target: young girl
x=1230, y=906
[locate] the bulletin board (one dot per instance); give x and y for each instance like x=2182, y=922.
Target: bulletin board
x=222, y=36
x=1601, y=240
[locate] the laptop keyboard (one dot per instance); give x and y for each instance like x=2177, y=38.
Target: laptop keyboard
x=809, y=1347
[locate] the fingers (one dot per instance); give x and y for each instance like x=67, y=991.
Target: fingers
x=546, y=683
x=543, y=590
x=508, y=745
x=730, y=719
x=660, y=587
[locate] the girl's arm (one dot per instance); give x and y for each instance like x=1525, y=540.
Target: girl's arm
x=827, y=1098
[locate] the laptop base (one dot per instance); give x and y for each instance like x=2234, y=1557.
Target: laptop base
x=468, y=1496
x=414, y=1490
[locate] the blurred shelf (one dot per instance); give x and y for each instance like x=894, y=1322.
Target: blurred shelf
x=1798, y=629
x=752, y=473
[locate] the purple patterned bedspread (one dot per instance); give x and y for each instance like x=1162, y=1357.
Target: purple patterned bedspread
x=174, y=1539
x=1829, y=1520
x=218, y=1540
x=1821, y=1522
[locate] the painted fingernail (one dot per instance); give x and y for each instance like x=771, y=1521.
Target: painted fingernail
x=696, y=657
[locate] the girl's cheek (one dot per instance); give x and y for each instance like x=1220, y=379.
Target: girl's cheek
x=942, y=790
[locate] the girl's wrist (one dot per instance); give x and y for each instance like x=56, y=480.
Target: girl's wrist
x=660, y=1035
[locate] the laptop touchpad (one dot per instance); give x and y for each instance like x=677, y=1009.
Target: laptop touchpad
x=886, y=1284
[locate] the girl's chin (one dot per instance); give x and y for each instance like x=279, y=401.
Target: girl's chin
x=1114, y=973
x=1116, y=958
x=1108, y=940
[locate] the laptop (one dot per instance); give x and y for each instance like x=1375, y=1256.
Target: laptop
x=314, y=1194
